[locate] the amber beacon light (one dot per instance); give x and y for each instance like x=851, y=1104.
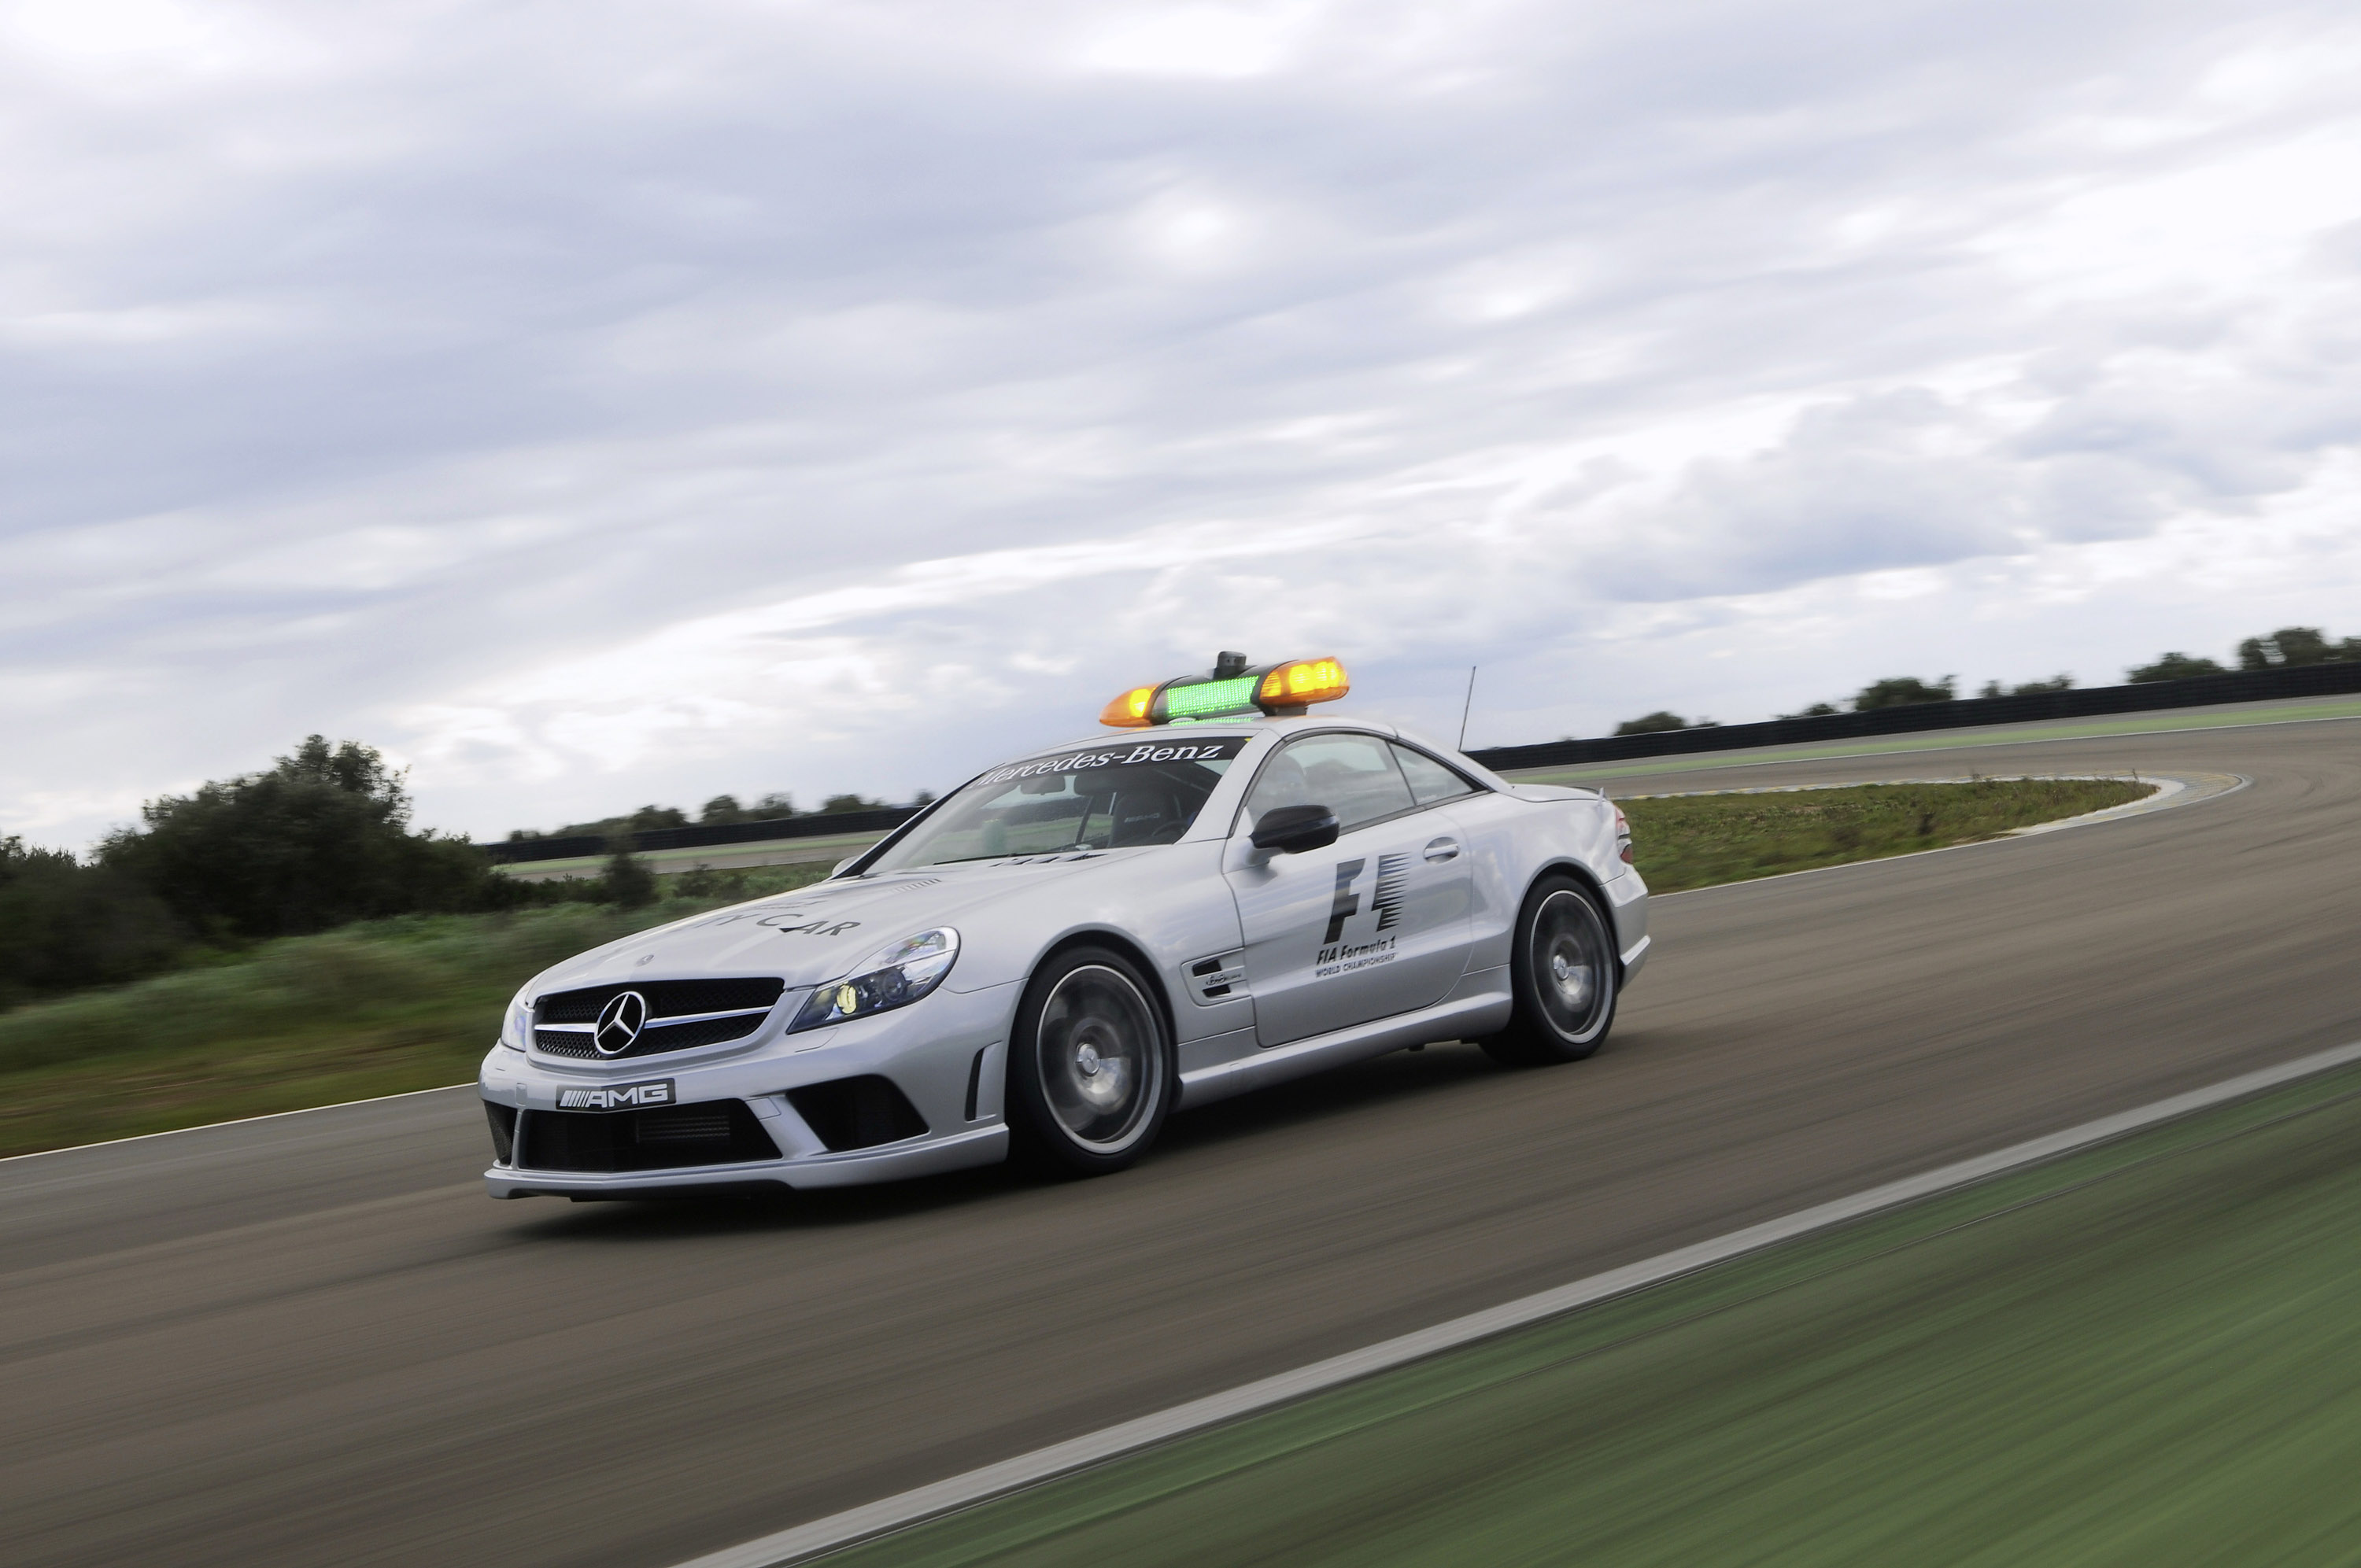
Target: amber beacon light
x=1232, y=689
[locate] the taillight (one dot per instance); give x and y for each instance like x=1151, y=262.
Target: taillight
x=1622, y=836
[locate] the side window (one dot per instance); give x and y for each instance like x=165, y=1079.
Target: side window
x=1353, y=775
x=1430, y=781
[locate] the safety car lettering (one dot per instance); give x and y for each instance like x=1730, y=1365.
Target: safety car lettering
x=1135, y=755
x=1337, y=956
x=822, y=927
x=1346, y=903
x=1346, y=957
x=1393, y=878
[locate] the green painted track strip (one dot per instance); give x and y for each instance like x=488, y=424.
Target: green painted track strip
x=1035, y=1495
x=2146, y=1354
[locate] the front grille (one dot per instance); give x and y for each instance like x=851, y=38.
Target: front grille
x=668, y=1137
x=666, y=999
x=748, y=1002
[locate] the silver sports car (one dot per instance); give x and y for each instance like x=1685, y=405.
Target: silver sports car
x=1058, y=954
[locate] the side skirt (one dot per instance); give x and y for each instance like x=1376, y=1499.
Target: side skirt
x=1463, y=1017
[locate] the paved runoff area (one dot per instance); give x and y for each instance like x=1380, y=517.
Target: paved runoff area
x=310, y=1340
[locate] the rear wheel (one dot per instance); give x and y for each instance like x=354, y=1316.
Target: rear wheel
x=1091, y=1074
x=1563, y=974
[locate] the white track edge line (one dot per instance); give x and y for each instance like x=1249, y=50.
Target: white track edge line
x=233, y=1121
x=914, y=1507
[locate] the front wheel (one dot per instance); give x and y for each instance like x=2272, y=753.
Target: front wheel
x=1090, y=1070
x=1563, y=974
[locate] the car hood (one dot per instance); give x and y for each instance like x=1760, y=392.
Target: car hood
x=820, y=932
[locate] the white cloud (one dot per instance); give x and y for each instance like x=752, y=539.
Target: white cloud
x=591, y=403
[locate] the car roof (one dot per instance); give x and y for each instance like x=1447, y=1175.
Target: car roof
x=1249, y=727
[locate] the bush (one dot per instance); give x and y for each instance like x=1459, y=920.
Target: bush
x=627, y=882
x=321, y=838
x=65, y=925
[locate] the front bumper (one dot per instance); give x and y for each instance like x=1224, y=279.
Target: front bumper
x=942, y=1055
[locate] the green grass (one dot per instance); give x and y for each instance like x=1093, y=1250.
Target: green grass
x=2144, y=1354
x=1680, y=842
x=378, y=1008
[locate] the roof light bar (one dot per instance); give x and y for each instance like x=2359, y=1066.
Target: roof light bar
x=1232, y=689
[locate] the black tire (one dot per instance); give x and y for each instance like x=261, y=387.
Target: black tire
x=1092, y=1073
x=1564, y=974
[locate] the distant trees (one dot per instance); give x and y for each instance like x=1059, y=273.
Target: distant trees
x=2028, y=689
x=2296, y=646
x=1900, y=691
x=1657, y=723
x=723, y=810
x=2288, y=646
x=2174, y=667
x=319, y=839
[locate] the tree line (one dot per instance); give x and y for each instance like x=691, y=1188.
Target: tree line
x=722, y=809
x=320, y=838
x=2288, y=646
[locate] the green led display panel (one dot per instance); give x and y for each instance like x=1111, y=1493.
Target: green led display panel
x=1200, y=697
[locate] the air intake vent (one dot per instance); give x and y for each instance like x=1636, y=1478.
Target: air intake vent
x=857, y=1113
x=668, y=1137
x=504, y=1121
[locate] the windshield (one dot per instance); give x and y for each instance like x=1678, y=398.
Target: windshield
x=1104, y=797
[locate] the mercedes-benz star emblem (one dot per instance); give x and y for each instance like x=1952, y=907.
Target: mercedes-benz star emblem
x=620, y=1023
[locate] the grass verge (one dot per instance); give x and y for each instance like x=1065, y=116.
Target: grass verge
x=378, y=1008
x=408, y=1004
x=2143, y=1353
x=1681, y=842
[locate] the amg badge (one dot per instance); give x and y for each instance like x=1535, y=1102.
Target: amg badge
x=617, y=1097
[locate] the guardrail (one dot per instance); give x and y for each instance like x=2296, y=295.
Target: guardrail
x=2243, y=685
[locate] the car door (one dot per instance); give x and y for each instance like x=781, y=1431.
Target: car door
x=1374, y=924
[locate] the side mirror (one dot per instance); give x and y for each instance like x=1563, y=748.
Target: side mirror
x=1291, y=829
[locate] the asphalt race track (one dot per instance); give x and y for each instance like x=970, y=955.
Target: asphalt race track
x=311, y=1340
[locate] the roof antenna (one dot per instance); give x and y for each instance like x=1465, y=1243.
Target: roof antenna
x=1228, y=666
x=1464, y=709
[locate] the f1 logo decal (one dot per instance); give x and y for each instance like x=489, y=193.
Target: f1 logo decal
x=1346, y=903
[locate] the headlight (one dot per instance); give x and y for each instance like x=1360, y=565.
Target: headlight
x=889, y=978
x=516, y=1029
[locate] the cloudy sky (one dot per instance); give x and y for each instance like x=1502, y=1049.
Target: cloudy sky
x=595, y=403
